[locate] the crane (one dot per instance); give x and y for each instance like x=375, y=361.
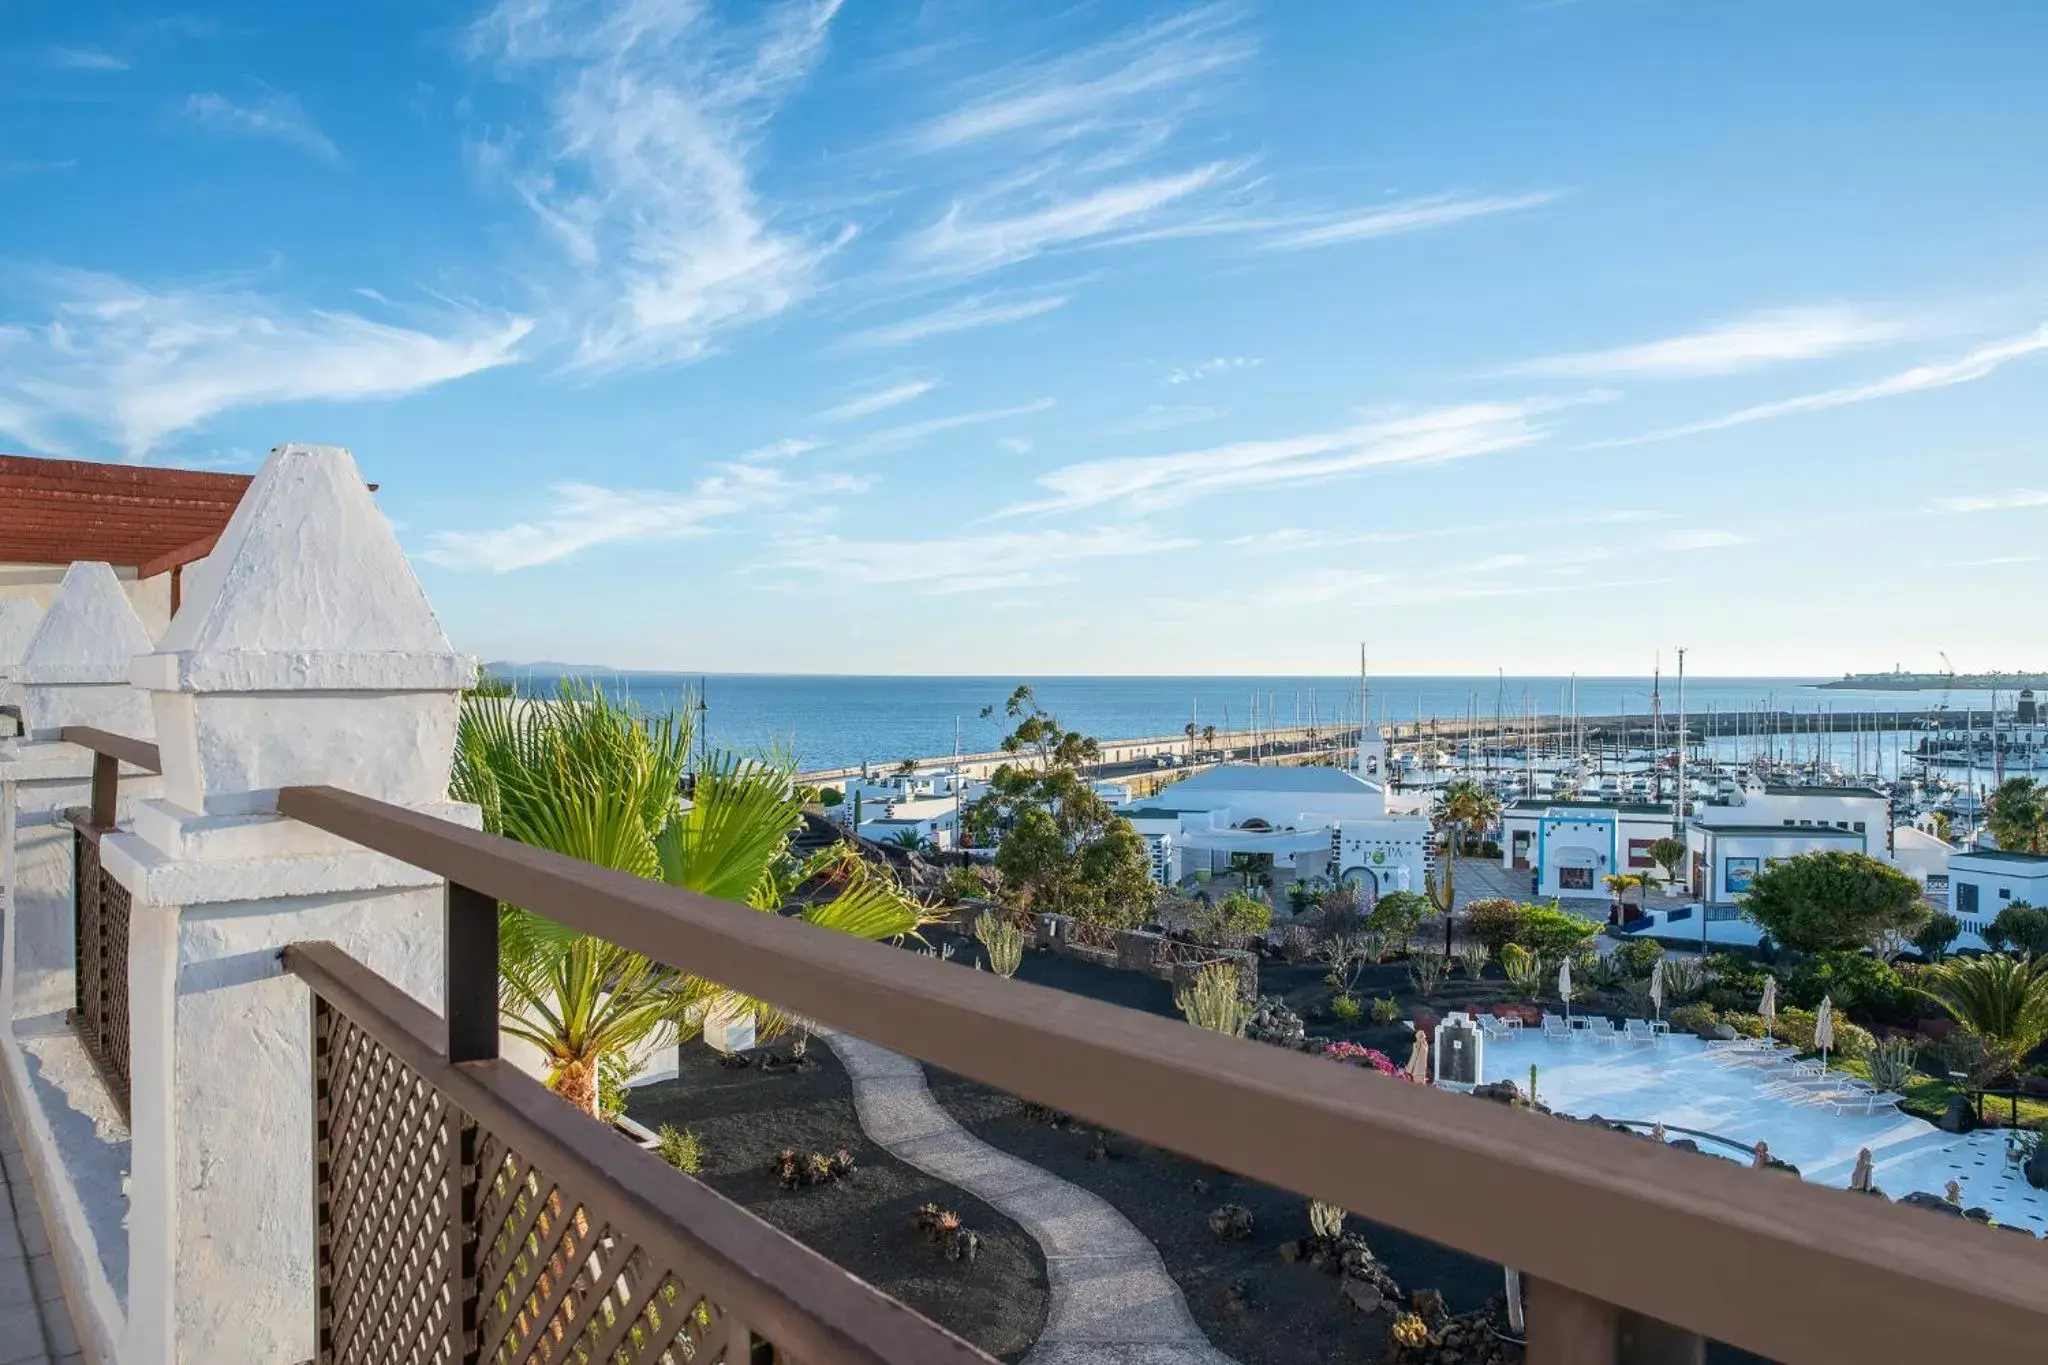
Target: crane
x=1949, y=674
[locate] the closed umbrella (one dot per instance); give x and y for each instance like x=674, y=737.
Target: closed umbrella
x=1564, y=986
x=1418, y=1059
x=1768, y=1006
x=1657, y=988
x=1824, y=1029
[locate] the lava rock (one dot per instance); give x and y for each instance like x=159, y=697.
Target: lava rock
x=1231, y=1222
x=1500, y=1092
x=1921, y=1199
x=1429, y=1306
x=1365, y=1296
x=1961, y=1115
x=2037, y=1166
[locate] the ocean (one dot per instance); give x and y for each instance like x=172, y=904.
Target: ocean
x=833, y=722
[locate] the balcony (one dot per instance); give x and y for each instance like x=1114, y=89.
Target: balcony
x=255, y=1062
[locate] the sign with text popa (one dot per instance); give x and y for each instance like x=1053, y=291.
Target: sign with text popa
x=1458, y=1051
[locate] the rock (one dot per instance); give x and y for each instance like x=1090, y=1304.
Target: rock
x=1685, y=1145
x=1500, y=1092
x=1198, y=1187
x=1429, y=1306
x=1961, y=1116
x=2036, y=1168
x=1290, y=1252
x=1921, y=1199
x=1977, y=1215
x=1231, y=1222
x=1364, y=1296
x=1723, y=1032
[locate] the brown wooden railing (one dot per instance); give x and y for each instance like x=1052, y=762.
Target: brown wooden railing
x=1624, y=1240
x=100, y=911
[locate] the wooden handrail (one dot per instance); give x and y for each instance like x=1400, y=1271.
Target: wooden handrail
x=1764, y=1262
x=136, y=753
x=789, y=1294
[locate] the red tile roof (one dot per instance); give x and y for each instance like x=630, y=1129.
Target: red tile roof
x=150, y=520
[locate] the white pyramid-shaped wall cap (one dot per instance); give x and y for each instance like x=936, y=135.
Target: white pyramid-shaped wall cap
x=90, y=634
x=19, y=617
x=306, y=590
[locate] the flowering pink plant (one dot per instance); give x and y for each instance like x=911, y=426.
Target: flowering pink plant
x=1351, y=1054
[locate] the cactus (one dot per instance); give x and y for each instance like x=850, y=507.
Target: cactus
x=1212, y=1001
x=1326, y=1221
x=1004, y=943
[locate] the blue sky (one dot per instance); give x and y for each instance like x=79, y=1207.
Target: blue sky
x=960, y=336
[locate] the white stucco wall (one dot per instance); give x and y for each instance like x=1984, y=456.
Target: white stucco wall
x=150, y=597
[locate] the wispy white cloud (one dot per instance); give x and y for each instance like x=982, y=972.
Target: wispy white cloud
x=644, y=172
x=787, y=448
x=910, y=433
x=581, y=516
x=1017, y=445
x=276, y=116
x=879, y=400
x=963, y=315
x=1744, y=343
x=1154, y=481
x=1209, y=369
x=962, y=242
x=1096, y=87
x=1705, y=538
x=1998, y=560
x=972, y=563
x=1291, y=539
x=137, y=365
x=2010, y=499
x=85, y=59
x=1414, y=215
x=1965, y=369
x=1165, y=417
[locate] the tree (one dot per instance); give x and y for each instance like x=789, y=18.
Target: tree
x=906, y=768
x=1397, y=915
x=2001, y=1000
x=1059, y=846
x=1208, y=737
x=907, y=839
x=590, y=779
x=1621, y=883
x=1934, y=937
x=2021, y=928
x=1817, y=902
x=1463, y=805
x=2017, y=815
x=1669, y=854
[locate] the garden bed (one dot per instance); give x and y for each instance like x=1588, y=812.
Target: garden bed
x=865, y=1223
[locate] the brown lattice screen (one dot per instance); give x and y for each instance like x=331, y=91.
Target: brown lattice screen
x=100, y=923
x=439, y=1242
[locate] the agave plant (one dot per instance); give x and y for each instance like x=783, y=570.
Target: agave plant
x=1524, y=970
x=1212, y=1001
x=589, y=778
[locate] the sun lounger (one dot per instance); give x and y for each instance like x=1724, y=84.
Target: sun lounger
x=1639, y=1031
x=1601, y=1030
x=1496, y=1028
x=1864, y=1098
x=1555, y=1027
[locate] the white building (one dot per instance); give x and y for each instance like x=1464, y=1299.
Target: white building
x=1570, y=848
x=932, y=820
x=1735, y=836
x=1983, y=882
x=1315, y=822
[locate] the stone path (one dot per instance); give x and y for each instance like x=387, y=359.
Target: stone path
x=1112, y=1301
x=35, y=1325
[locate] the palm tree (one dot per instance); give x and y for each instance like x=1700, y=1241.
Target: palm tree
x=1621, y=883
x=1190, y=731
x=1209, y=737
x=591, y=779
x=1463, y=805
x=2002, y=1000
x=2017, y=815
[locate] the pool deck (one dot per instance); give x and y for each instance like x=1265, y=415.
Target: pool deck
x=1680, y=1083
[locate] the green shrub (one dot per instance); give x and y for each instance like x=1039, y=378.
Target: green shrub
x=831, y=796
x=680, y=1148
x=1231, y=922
x=1600, y=971
x=1553, y=933
x=2020, y=927
x=1495, y=922
x=1795, y=1026
x=1854, y=981
x=1638, y=956
x=1212, y=1001
x=1473, y=957
x=1934, y=937
x=1345, y=1009
x=1733, y=983
x=1397, y=915
x=1746, y=1025
x=1698, y=1017
x=1385, y=1010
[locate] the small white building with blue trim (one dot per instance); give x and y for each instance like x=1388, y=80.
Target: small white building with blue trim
x=1570, y=848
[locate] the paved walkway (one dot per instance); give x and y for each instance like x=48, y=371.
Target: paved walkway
x=1112, y=1301
x=35, y=1325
